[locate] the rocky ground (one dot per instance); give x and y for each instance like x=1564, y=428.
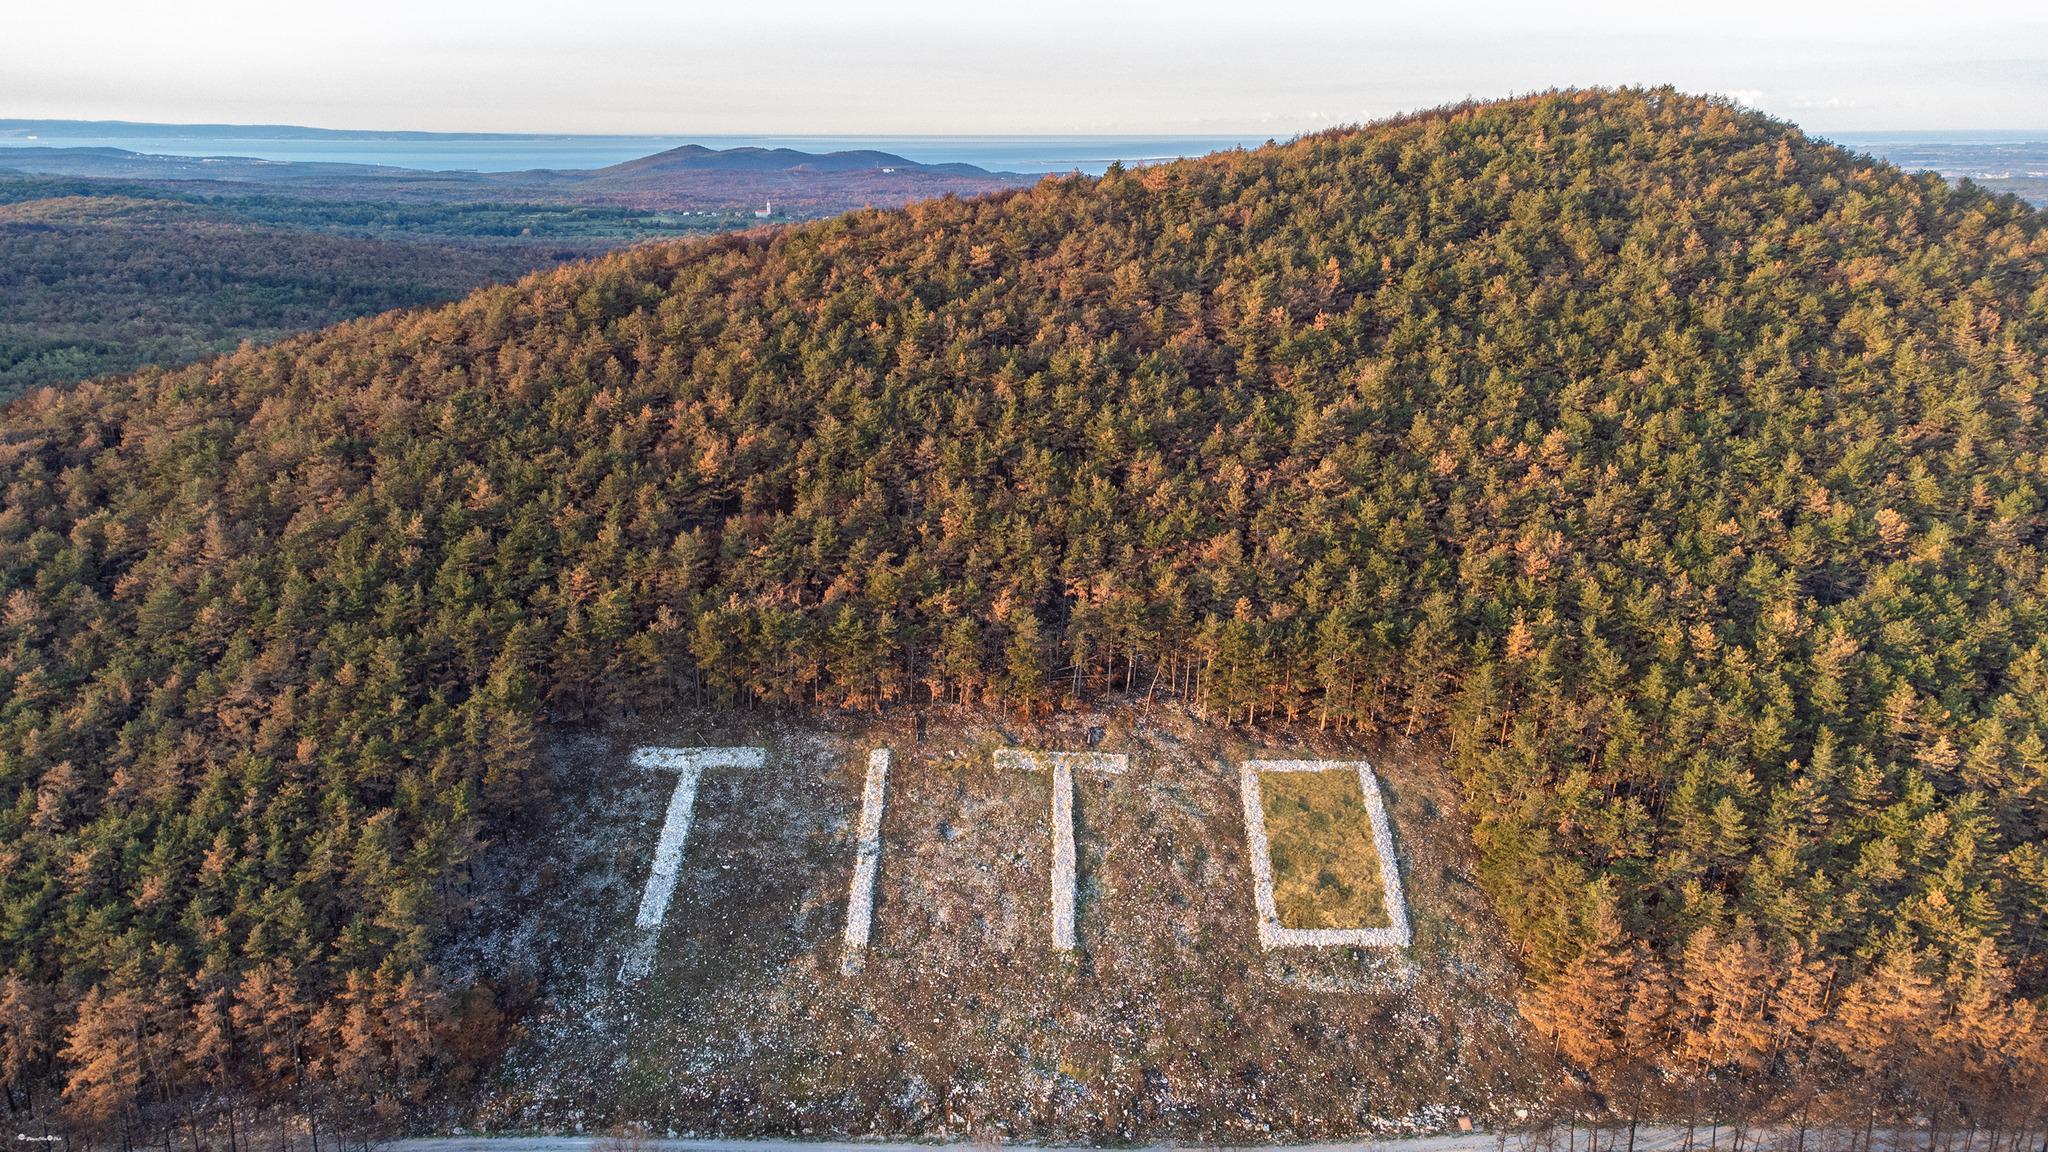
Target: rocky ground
x=1166, y=1023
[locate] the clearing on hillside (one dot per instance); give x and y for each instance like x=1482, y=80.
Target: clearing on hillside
x=1168, y=1020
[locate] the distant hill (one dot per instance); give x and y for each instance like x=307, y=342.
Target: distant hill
x=1680, y=477
x=691, y=177
x=697, y=158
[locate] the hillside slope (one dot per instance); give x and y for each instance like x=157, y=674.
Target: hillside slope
x=1686, y=474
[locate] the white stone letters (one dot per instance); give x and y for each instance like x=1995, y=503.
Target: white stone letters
x=1062, y=765
x=1271, y=933
x=860, y=895
x=690, y=763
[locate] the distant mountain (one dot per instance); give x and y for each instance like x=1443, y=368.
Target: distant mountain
x=697, y=158
x=60, y=160
x=691, y=177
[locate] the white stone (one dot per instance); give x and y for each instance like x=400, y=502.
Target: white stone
x=699, y=758
x=675, y=832
x=860, y=895
x=1035, y=761
x=1063, y=765
x=1272, y=934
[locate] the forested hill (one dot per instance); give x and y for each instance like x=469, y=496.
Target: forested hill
x=1686, y=474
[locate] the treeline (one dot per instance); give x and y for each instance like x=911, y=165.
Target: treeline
x=1686, y=474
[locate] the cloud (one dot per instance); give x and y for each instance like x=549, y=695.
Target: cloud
x=1748, y=97
x=1811, y=103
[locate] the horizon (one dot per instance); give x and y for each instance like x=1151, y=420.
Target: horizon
x=1013, y=153
x=2003, y=159
x=2023, y=133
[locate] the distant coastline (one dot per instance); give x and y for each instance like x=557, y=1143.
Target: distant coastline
x=488, y=152
x=2013, y=161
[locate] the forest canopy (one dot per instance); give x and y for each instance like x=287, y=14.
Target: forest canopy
x=103, y=276
x=1684, y=474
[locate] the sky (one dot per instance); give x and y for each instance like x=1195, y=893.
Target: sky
x=977, y=67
